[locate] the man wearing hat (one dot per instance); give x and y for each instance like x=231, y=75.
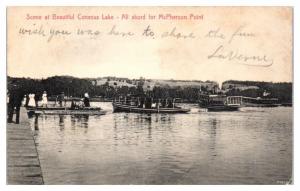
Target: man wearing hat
x=14, y=104
x=86, y=100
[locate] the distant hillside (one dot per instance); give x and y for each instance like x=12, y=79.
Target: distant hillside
x=282, y=90
x=149, y=84
x=111, y=87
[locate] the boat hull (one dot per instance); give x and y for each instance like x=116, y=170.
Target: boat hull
x=260, y=102
x=260, y=105
x=65, y=111
x=128, y=108
x=222, y=108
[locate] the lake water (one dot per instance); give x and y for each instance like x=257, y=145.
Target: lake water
x=251, y=146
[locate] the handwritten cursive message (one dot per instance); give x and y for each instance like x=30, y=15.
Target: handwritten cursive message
x=221, y=52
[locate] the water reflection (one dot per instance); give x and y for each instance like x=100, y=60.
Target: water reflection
x=145, y=118
x=165, y=118
x=61, y=123
x=149, y=132
x=83, y=120
x=213, y=135
x=75, y=121
x=36, y=122
x=80, y=121
x=199, y=148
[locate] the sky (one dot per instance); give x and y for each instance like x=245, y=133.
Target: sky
x=241, y=43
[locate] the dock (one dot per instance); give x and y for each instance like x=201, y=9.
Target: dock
x=23, y=165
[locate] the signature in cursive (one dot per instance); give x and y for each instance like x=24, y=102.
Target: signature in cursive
x=251, y=60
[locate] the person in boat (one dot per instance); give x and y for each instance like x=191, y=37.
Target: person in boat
x=86, y=100
x=142, y=102
x=80, y=104
x=163, y=103
x=136, y=102
x=170, y=103
x=44, y=99
x=74, y=105
x=153, y=105
x=61, y=98
x=148, y=103
x=158, y=103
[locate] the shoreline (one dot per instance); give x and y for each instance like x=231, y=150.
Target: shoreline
x=23, y=164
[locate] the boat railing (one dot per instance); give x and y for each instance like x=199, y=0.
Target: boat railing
x=147, y=102
x=234, y=100
x=220, y=99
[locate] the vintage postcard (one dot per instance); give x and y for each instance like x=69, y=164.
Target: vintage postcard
x=150, y=95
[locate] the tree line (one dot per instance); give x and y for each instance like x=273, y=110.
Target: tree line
x=281, y=90
x=76, y=87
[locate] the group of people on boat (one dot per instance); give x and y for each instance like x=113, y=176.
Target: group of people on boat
x=147, y=102
x=31, y=100
x=16, y=97
x=85, y=102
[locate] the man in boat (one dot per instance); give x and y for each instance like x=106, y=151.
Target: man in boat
x=142, y=102
x=164, y=103
x=148, y=103
x=74, y=105
x=170, y=103
x=61, y=98
x=86, y=100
